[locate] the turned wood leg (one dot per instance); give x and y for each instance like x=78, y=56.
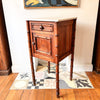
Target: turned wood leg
x=57, y=80
x=32, y=69
x=72, y=50
x=71, y=68
x=48, y=66
x=30, y=51
x=32, y=66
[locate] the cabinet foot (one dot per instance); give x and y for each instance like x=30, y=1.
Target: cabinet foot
x=48, y=66
x=70, y=78
x=57, y=80
x=71, y=69
x=34, y=83
x=57, y=94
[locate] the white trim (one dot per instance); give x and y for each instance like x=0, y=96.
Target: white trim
x=20, y=69
x=77, y=68
x=81, y=68
x=25, y=68
x=85, y=67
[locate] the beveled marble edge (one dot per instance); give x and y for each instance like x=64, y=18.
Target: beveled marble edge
x=52, y=19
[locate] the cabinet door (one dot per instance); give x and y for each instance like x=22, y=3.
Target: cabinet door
x=42, y=44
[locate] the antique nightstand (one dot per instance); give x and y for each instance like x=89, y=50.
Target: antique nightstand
x=51, y=40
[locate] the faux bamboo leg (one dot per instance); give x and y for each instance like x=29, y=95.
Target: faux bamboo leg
x=32, y=66
x=71, y=69
x=30, y=51
x=48, y=66
x=57, y=80
x=32, y=69
x=72, y=51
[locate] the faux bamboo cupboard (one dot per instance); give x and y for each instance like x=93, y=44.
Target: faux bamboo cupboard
x=51, y=40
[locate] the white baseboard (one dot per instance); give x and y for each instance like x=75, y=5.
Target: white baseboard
x=86, y=68
x=77, y=68
x=20, y=69
x=81, y=68
x=24, y=68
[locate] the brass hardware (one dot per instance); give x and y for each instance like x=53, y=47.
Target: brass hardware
x=56, y=55
x=56, y=46
x=33, y=43
x=56, y=35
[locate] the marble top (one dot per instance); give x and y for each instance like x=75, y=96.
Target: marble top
x=53, y=19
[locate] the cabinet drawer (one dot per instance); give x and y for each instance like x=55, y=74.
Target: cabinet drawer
x=42, y=27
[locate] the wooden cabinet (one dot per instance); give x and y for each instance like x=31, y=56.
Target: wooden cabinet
x=52, y=41
x=96, y=55
x=5, y=59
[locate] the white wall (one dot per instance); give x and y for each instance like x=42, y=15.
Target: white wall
x=16, y=16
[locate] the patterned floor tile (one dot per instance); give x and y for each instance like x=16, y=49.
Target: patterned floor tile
x=20, y=84
x=45, y=80
x=49, y=83
x=39, y=75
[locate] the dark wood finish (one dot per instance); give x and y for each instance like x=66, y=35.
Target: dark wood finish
x=48, y=66
x=72, y=49
x=96, y=55
x=5, y=58
x=42, y=27
x=52, y=41
x=5, y=72
x=57, y=80
x=30, y=51
x=64, y=38
x=42, y=44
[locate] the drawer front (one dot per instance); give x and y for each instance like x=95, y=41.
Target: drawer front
x=42, y=27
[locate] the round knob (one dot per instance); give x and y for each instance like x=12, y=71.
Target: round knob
x=33, y=43
x=41, y=27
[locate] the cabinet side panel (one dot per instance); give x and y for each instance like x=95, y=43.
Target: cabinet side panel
x=65, y=38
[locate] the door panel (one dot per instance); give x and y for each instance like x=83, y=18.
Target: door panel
x=42, y=44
